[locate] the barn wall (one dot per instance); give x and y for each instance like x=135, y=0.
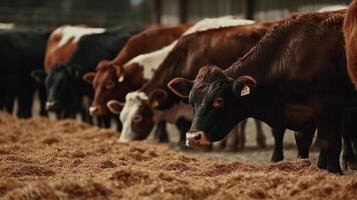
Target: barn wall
x=91, y=12
x=261, y=9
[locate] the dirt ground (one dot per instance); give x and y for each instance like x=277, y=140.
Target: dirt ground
x=46, y=159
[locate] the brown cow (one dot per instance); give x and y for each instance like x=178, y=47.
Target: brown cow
x=105, y=79
x=295, y=77
x=350, y=32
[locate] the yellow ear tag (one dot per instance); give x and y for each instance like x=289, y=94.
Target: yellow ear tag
x=245, y=91
x=155, y=103
x=121, y=78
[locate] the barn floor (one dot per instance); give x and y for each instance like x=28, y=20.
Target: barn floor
x=41, y=158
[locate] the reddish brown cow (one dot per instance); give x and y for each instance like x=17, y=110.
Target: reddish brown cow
x=105, y=81
x=350, y=32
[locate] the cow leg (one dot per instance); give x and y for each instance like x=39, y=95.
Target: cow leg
x=241, y=134
x=232, y=139
x=9, y=102
x=329, y=126
x=261, y=140
x=303, y=141
x=161, y=132
x=349, y=155
x=278, y=154
x=42, y=96
x=183, y=125
x=25, y=100
x=118, y=123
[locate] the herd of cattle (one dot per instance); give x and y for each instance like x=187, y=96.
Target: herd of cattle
x=294, y=73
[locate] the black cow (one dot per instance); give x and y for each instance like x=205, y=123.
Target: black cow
x=22, y=50
x=295, y=78
x=65, y=87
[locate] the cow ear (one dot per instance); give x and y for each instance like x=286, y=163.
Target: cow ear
x=243, y=85
x=181, y=87
x=157, y=97
x=89, y=77
x=120, y=73
x=115, y=106
x=39, y=75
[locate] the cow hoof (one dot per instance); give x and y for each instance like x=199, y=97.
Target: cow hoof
x=261, y=142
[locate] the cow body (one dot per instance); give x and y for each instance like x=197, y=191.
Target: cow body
x=16, y=83
x=64, y=83
x=350, y=33
x=295, y=78
x=223, y=45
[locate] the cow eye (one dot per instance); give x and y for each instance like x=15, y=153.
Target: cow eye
x=109, y=85
x=218, y=102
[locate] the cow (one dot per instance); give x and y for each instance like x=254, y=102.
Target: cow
x=350, y=34
x=65, y=87
x=223, y=45
x=60, y=47
x=144, y=42
x=295, y=77
x=22, y=50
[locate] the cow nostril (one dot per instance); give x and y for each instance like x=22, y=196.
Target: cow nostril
x=198, y=137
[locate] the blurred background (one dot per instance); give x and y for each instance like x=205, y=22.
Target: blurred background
x=106, y=13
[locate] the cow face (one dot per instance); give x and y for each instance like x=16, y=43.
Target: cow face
x=136, y=116
x=108, y=85
x=61, y=87
x=218, y=102
x=104, y=84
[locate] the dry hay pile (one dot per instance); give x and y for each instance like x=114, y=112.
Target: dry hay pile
x=42, y=159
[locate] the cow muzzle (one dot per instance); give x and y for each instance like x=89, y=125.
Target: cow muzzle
x=197, y=139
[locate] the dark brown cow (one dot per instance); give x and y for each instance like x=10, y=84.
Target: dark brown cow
x=105, y=79
x=295, y=77
x=350, y=32
x=222, y=46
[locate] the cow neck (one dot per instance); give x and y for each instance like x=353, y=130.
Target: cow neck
x=170, y=68
x=262, y=61
x=266, y=107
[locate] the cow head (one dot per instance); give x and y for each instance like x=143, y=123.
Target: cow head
x=61, y=84
x=137, y=115
x=218, y=102
x=110, y=82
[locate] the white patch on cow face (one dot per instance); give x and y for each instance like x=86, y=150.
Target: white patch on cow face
x=75, y=32
x=133, y=101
